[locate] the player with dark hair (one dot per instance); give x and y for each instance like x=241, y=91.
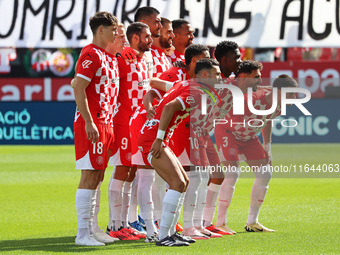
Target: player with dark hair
x=184, y=36
x=180, y=141
x=150, y=16
x=248, y=75
x=134, y=82
x=162, y=32
x=242, y=140
x=93, y=134
x=171, y=110
x=147, y=176
x=228, y=55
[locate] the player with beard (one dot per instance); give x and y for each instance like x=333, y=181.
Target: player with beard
x=134, y=82
x=173, y=108
x=246, y=77
x=160, y=45
x=162, y=41
x=239, y=142
x=193, y=202
x=184, y=36
x=193, y=54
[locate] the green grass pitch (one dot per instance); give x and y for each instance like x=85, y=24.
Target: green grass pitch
x=38, y=216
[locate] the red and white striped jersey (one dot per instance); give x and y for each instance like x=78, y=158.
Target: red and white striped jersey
x=189, y=95
x=160, y=61
x=134, y=83
x=242, y=130
x=114, y=90
x=175, y=74
x=177, y=56
x=217, y=107
x=99, y=68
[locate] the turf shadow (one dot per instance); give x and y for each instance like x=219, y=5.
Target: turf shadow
x=63, y=244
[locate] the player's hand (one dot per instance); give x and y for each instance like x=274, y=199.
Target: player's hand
x=150, y=114
x=129, y=54
x=91, y=132
x=179, y=64
x=156, y=148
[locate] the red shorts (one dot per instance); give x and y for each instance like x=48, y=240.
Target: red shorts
x=145, y=142
x=136, y=125
x=231, y=149
x=122, y=151
x=92, y=156
x=185, y=145
x=208, y=154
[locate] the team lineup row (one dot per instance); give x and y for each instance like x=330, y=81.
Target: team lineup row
x=139, y=108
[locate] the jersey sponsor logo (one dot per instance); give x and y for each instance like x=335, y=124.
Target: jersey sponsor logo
x=114, y=80
x=143, y=83
x=86, y=63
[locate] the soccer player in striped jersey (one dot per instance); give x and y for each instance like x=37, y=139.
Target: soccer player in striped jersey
x=162, y=34
x=172, y=109
x=93, y=132
x=239, y=142
x=228, y=55
x=184, y=36
x=134, y=82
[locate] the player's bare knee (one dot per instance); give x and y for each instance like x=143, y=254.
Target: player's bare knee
x=217, y=181
x=263, y=175
x=122, y=173
x=179, y=185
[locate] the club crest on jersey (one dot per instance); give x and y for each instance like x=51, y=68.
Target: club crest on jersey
x=190, y=100
x=100, y=160
x=86, y=63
